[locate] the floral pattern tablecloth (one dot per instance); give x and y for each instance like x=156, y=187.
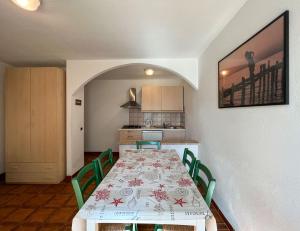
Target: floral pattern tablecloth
x=146, y=185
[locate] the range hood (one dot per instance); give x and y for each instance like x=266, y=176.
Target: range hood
x=132, y=100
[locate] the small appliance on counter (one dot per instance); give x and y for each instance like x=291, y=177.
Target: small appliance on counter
x=148, y=123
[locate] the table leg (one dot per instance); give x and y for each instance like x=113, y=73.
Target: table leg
x=200, y=225
x=91, y=226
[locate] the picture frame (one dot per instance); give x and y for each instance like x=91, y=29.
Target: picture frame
x=256, y=73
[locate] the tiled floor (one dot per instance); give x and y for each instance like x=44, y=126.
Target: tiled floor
x=47, y=207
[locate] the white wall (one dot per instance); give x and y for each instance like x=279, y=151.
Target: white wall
x=253, y=152
x=77, y=134
x=189, y=94
x=103, y=115
x=2, y=69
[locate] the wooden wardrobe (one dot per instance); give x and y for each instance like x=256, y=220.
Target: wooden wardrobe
x=35, y=125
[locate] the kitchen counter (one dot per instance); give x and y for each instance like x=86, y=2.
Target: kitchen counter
x=151, y=128
x=169, y=135
x=176, y=144
x=180, y=141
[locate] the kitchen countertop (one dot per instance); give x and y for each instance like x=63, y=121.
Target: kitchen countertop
x=177, y=141
x=151, y=128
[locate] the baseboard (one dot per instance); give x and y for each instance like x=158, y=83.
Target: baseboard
x=222, y=215
x=69, y=178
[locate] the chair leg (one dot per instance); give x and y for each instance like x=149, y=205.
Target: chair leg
x=131, y=227
x=158, y=228
x=128, y=227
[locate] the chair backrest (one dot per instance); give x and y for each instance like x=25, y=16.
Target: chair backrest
x=190, y=163
x=104, y=159
x=140, y=144
x=208, y=187
x=87, y=176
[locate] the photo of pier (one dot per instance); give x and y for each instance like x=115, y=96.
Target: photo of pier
x=256, y=73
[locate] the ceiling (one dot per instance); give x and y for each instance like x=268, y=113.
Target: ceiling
x=136, y=71
x=110, y=29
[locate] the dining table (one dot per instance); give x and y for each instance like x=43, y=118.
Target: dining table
x=146, y=186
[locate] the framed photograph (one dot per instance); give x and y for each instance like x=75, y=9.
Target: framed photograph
x=256, y=73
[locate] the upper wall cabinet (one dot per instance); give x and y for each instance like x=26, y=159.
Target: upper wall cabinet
x=172, y=98
x=162, y=98
x=151, y=98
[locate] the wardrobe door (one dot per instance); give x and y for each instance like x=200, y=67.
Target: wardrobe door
x=17, y=114
x=43, y=115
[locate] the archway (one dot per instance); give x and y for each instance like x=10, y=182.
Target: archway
x=80, y=72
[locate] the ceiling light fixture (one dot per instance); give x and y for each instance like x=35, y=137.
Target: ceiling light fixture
x=30, y=5
x=149, y=72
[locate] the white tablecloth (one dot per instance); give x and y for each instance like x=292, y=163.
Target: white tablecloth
x=146, y=186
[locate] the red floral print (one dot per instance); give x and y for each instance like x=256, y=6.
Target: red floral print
x=102, y=194
x=116, y=202
x=135, y=182
x=156, y=165
x=141, y=159
x=173, y=159
x=160, y=195
x=179, y=202
x=184, y=182
x=120, y=164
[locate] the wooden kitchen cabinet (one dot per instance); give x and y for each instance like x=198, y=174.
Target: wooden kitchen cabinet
x=162, y=98
x=130, y=136
x=151, y=98
x=35, y=125
x=172, y=98
x=174, y=134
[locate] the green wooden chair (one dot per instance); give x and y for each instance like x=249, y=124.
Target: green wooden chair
x=104, y=160
x=80, y=185
x=208, y=187
x=190, y=163
x=140, y=144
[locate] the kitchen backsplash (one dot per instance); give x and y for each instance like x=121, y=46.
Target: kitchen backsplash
x=136, y=117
